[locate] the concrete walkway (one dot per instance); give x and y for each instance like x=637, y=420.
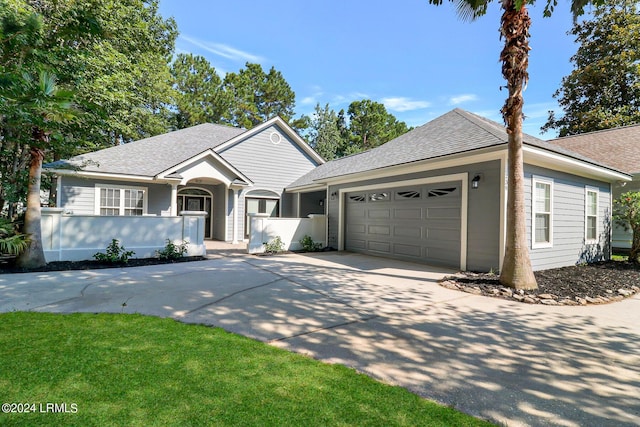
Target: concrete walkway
x=512, y=363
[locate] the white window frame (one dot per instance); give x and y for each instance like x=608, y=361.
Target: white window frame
x=588, y=190
x=121, y=188
x=534, y=212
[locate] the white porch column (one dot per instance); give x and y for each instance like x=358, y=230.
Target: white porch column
x=174, y=200
x=236, y=212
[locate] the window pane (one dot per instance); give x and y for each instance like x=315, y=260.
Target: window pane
x=109, y=201
x=592, y=203
x=592, y=222
x=542, y=228
x=543, y=197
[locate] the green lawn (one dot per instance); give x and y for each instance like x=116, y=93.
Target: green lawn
x=132, y=370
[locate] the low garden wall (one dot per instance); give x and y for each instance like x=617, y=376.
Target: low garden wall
x=290, y=230
x=79, y=237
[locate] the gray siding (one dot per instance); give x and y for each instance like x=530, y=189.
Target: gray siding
x=78, y=194
x=312, y=203
x=568, y=226
x=483, y=227
x=270, y=166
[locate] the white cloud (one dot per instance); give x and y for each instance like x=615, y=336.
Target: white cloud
x=460, y=99
x=309, y=100
x=402, y=104
x=223, y=50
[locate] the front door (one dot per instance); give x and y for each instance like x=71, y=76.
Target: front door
x=200, y=201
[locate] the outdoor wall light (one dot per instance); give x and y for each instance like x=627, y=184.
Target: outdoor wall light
x=334, y=195
x=475, y=181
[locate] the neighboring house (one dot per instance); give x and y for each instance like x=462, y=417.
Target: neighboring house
x=437, y=195
x=225, y=171
x=618, y=148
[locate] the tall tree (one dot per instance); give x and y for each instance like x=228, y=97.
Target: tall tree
x=324, y=135
x=200, y=97
x=370, y=125
x=603, y=90
x=42, y=106
x=514, y=29
x=257, y=96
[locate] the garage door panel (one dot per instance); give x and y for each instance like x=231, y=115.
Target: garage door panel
x=418, y=223
x=443, y=212
x=408, y=250
x=404, y=231
x=384, y=230
x=380, y=213
x=377, y=246
x=414, y=213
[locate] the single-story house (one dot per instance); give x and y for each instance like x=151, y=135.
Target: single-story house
x=618, y=148
x=225, y=171
x=436, y=194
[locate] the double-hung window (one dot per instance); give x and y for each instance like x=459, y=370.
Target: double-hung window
x=122, y=201
x=542, y=213
x=591, y=215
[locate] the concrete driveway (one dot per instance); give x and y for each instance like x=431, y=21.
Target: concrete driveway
x=511, y=363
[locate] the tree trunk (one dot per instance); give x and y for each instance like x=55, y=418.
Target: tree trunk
x=33, y=257
x=516, y=267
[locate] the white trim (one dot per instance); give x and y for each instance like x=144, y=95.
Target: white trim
x=590, y=189
x=540, y=157
x=99, y=186
x=226, y=213
x=464, y=202
x=201, y=156
x=277, y=121
x=110, y=176
x=460, y=159
x=547, y=181
x=503, y=188
x=235, y=215
x=58, y=191
x=173, y=210
x=297, y=212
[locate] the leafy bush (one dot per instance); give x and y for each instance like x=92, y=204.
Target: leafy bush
x=172, y=251
x=626, y=212
x=274, y=246
x=11, y=242
x=115, y=253
x=308, y=245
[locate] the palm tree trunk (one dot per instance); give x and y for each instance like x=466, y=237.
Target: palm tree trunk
x=33, y=256
x=516, y=268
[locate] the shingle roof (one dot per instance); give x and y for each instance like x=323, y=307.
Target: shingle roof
x=151, y=156
x=457, y=131
x=618, y=147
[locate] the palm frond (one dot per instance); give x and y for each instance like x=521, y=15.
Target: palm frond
x=470, y=10
x=14, y=245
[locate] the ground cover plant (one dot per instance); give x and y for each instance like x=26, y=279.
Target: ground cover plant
x=136, y=370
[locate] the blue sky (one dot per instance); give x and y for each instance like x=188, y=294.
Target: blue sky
x=419, y=60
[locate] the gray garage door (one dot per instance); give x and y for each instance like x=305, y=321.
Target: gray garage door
x=419, y=223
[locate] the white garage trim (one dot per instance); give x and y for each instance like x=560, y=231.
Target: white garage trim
x=463, y=177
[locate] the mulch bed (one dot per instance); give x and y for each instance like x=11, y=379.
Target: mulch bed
x=597, y=283
x=7, y=267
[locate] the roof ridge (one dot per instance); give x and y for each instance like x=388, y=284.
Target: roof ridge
x=593, y=132
x=474, y=118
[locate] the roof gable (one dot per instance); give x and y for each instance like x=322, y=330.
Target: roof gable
x=150, y=156
x=617, y=147
x=455, y=132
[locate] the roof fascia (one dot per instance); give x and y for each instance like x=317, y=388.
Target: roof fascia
x=207, y=153
x=282, y=125
x=458, y=159
x=306, y=188
x=544, y=158
x=103, y=175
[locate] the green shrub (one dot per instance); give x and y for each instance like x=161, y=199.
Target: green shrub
x=11, y=242
x=172, y=251
x=114, y=254
x=308, y=245
x=626, y=212
x=274, y=246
